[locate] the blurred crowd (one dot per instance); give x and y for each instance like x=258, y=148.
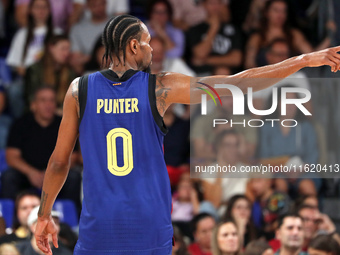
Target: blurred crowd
x=45, y=44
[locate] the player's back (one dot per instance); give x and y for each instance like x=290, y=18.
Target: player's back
x=127, y=197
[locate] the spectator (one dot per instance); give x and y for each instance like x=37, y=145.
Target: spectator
x=61, y=13
x=219, y=188
x=77, y=13
x=324, y=245
x=52, y=70
x=226, y=239
x=286, y=145
x=253, y=18
x=30, y=144
x=290, y=233
x=24, y=204
x=185, y=202
x=316, y=20
x=214, y=42
x=113, y=7
x=239, y=209
x=308, y=200
x=27, y=48
x=187, y=13
x=278, y=50
x=180, y=247
x=160, y=62
x=202, y=226
x=314, y=223
x=8, y=249
x=268, y=206
x=28, y=43
x=328, y=21
x=258, y=247
x=310, y=218
x=5, y=121
x=85, y=33
x=159, y=24
x=95, y=62
x=203, y=135
x=275, y=24
x=29, y=247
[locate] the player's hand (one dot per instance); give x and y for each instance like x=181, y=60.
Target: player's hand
x=36, y=178
x=329, y=57
x=46, y=226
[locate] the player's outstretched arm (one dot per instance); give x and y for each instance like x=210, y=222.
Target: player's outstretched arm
x=178, y=88
x=57, y=169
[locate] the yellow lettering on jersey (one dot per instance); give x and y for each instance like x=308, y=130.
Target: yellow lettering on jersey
x=116, y=106
x=134, y=105
x=121, y=101
x=122, y=105
x=127, y=105
x=100, y=104
x=108, y=106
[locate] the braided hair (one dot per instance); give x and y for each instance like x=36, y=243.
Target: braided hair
x=118, y=33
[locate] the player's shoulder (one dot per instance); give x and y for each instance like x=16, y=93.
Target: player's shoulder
x=78, y=81
x=75, y=80
x=171, y=79
x=171, y=76
x=75, y=84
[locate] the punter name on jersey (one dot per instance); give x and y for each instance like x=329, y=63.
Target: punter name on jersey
x=122, y=105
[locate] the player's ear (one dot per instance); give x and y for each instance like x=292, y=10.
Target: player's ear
x=134, y=44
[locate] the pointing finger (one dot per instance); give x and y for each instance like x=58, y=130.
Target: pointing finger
x=55, y=240
x=332, y=64
x=336, y=61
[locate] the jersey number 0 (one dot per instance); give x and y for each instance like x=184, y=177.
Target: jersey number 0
x=112, y=163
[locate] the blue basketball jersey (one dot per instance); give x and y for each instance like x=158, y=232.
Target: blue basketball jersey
x=127, y=196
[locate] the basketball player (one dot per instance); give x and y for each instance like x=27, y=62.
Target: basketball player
x=118, y=116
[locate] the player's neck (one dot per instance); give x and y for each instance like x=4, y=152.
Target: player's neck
x=121, y=69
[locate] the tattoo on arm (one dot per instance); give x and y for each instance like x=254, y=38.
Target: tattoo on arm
x=162, y=93
x=75, y=90
x=42, y=204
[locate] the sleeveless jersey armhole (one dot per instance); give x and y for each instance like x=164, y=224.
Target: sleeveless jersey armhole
x=152, y=99
x=82, y=94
